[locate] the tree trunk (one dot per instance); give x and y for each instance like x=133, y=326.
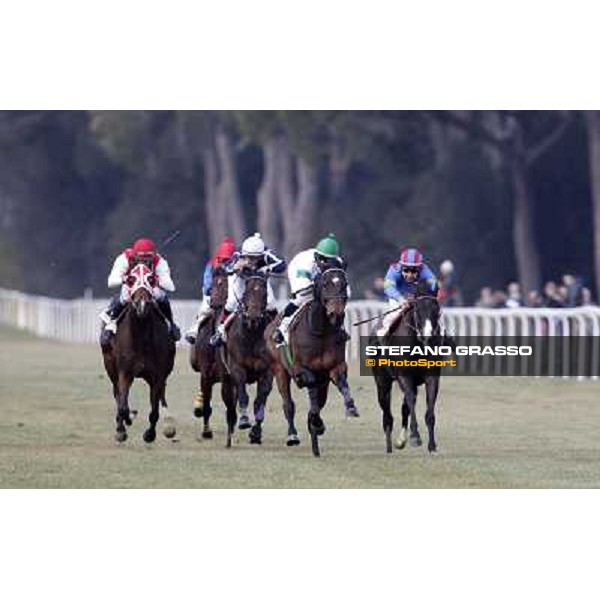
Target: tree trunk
x=593, y=130
x=268, y=196
x=526, y=251
x=224, y=211
x=229, y=188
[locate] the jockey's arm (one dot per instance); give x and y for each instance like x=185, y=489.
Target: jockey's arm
x=273, y=263
x=390, y=286
x=207, y=279
x=163, y=273
x=430, y=279
x=119, y=271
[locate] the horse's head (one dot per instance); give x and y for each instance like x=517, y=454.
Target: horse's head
x=426, y=317
x=218, y=294
x=332, y=293
x=254, y=300
x=140, y=282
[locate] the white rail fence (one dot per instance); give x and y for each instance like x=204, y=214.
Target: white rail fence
x=77, y=320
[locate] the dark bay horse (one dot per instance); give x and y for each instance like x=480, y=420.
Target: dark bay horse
x=417, y=325
x=142, y=348
x=316, y=354
x=246, y=357
x=206, y=360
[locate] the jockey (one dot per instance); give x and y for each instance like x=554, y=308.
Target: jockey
x=303, y=270
x=401, y=282
x=253, y=258
x=221, y=259
x=142, y=251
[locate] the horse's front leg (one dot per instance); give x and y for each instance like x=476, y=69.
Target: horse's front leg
x=410, y=400
x=432, y=386
x=122, y=398
x=384, y=397
x=155, y=396
x=202, y=403
x=228, y=393
x=339, y=377
x=263, y=389
x=283, y=379
x=316, y=426
x=243, y=401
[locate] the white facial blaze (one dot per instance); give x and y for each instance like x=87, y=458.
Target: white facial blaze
x=427, y=329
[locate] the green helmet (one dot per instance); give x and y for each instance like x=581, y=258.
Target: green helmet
x=329, y=247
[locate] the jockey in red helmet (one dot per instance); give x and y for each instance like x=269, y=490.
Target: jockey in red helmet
x=220, y=259
x=401, y=282
x=142, y=251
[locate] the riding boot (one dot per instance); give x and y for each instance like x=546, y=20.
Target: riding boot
x=165, y=307
x=192, y=332
x=280, y=334
x=110, y=318
x=219, y=336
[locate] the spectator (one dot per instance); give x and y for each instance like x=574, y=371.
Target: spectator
x=377, y=291
x=586, y=297
x=573, y=287
x=486, y=298
x=499, y=299
x=552, y=297
x=449, y=294
x=514, y=299
x=534, y=299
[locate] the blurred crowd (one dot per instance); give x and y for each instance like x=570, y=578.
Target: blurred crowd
x=569, y=292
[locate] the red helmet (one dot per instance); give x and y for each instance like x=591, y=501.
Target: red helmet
x=224, y=252
x=143, y=247
x=411, y=257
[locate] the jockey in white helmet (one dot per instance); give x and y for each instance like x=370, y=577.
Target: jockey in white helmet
x=254, y=257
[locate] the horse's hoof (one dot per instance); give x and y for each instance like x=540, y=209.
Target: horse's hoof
x=120, y=436
x=415, y=441
x=255, y=435
x=244, y=422
x=292, y=440
x=149, y=435
x=400, y=444
x=169, y=431
x=432, y=448
x=352, y=411
x=198, y=412
x=316, y=425
x=207, y=434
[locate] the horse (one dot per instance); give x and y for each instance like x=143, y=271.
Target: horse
x=142, y=348
x=245, y=355
x=418, y=324
x=205, y=360
x=315, y=355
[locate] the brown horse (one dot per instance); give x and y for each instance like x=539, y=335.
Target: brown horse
x=417, y=325
x=142, y=348
x=246, y=357
x=315, y=355
x=205, y=359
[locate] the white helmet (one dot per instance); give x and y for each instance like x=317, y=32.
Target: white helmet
x=253, y=246
x=447, y=267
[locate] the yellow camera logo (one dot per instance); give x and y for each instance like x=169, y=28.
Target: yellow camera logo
x=370, y=362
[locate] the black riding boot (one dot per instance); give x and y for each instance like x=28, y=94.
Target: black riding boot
x=288, y=311
x=165, y=309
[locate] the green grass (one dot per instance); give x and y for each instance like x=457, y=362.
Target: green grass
x=57, y=427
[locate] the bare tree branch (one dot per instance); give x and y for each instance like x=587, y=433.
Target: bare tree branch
x=549, y=140
x=471, y=127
